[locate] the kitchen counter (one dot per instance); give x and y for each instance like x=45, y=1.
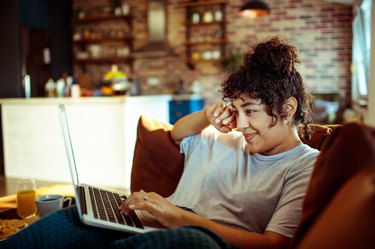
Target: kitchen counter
x=85, y=100
x=103, y=131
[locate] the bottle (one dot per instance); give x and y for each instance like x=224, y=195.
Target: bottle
x=195, y=17
x=218, y=15
x=134, y=87
x=196, y=87
x=27, y=85
x=68, y=84
x=60, y=87
x=50, y=88
x=208, y=16
x=75, y=90
x=125, y=9
x=181, y=87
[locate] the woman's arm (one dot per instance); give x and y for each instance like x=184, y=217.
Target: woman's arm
x=171, y=216
x=218, y=115
x=237, y=237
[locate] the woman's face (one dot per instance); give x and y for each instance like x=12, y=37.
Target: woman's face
x=256, y=126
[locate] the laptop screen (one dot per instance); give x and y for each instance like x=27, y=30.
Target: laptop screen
x=69, y=151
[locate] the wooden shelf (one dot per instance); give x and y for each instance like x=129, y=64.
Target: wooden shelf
x=202, y=43
x=90, y=33
x=221, y=59
x=203, y=3
x=104, y=39
x=213, y=23
x=216, y=28
x=92, y=19
x=105, y=60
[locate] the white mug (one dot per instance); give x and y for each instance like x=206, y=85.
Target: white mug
x=50, y=203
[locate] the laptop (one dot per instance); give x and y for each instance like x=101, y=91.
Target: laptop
x=98, y=206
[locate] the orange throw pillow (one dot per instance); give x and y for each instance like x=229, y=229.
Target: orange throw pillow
x=157, y=162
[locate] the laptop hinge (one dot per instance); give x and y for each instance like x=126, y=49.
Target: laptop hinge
x=82, y=199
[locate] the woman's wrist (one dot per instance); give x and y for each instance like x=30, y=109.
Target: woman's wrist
x=183, y=218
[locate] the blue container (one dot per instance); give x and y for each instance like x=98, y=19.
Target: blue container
x=182, y=107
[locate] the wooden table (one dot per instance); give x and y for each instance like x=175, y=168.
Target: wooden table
x=8, y=202
x=8, y=185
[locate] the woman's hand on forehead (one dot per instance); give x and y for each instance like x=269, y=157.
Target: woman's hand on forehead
x=221, y=116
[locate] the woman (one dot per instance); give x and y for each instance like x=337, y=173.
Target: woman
x=247, y=187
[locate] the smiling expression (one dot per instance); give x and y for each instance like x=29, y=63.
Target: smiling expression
x=258, y=128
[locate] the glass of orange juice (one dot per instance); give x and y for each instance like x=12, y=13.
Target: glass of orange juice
x=26, y=193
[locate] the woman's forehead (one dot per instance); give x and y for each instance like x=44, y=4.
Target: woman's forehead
x=244, y=99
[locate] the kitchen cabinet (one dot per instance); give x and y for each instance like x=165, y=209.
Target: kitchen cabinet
x=205, y=30
x=103, y=132
x=102, y=35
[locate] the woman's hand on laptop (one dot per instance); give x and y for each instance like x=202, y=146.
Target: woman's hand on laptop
x=162, y=209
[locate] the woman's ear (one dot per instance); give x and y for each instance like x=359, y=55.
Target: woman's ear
x=290, y=107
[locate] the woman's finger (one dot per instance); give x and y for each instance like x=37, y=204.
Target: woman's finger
x=134, y=198
x=226, y=117
x=220, y=107
x=148, y=205
x=230, y=121
x=225, y=114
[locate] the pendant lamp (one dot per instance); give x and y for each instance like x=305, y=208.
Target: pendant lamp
x=254, y=8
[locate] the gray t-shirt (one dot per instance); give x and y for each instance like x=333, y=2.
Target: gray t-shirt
x=222, y=181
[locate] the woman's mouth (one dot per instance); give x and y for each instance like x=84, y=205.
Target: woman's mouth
x=249, y=136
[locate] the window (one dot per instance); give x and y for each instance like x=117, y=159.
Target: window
x=361, y=53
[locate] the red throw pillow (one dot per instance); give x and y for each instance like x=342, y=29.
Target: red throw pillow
x=157, y=162
x=346, y=152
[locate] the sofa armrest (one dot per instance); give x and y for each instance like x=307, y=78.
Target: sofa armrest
x=348, y=220
x=346, y=153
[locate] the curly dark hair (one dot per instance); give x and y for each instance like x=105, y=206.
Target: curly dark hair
x=269, y=73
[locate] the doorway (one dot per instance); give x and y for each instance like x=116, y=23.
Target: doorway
x=36, y=58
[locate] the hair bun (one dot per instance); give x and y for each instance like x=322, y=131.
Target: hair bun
x=273, y=56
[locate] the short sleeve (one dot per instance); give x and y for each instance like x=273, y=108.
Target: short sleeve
x=288, y=212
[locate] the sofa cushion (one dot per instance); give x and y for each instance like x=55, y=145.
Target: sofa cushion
x=348, y=151
x=348, y=220
x=157, y=162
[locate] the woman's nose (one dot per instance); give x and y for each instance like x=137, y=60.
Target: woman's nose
x=241, y=122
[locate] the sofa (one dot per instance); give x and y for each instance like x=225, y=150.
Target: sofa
x=339, y=206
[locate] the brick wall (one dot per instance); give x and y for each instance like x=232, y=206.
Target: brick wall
x=320, y=30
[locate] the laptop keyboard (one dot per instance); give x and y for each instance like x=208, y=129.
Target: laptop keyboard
x=105, y=206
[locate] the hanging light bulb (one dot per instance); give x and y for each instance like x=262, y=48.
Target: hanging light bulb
x=254, y=8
